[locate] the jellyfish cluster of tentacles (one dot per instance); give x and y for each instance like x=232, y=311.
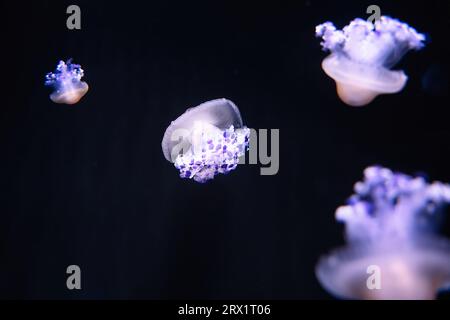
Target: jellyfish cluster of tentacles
x=388, y=206
x=65, y=72
x=215, y=154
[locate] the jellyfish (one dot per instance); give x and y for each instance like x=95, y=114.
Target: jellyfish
x=362, y=55
x=206, y=140
x=391, y=223
x=67, y=84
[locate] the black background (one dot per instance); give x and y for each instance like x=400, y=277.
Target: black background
x=88, y=184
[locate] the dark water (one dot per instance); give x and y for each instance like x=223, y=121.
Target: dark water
x=88, y=184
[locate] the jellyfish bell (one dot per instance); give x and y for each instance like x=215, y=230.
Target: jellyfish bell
x=412, y=273
x=66, y=82
x=364, y=83
x=70, y=94
x=206, y=140
x=362, y=54
x=389, y=224
x=215, y=114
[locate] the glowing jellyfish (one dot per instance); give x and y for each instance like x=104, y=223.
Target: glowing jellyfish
x=206, y=140
x=389, y=225
x=362, y=54
x=67, y=84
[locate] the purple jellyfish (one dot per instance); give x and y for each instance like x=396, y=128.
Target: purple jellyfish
x=389, y=225
x=67, y=84
x=206, y=140
x=362, y=54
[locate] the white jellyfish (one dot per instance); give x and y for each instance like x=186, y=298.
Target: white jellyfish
x=362, y=54
x=390, y=228
x=206, y=140
x=67, y=84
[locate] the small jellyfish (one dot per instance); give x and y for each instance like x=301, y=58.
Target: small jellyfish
x=390, y=223
x=206, y=140
x=66, y=82
x=362, y=54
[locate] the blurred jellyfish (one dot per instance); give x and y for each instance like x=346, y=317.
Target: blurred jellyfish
x=390, y=223
x=67, y=84
x=435, y=80
x=206, y=140
x=362, y=54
